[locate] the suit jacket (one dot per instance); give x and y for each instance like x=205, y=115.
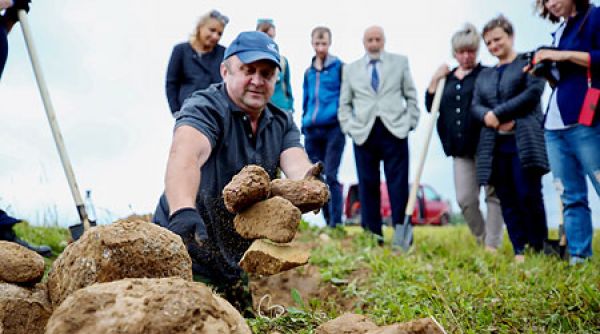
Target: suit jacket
x=187, y=72
x=395, y=101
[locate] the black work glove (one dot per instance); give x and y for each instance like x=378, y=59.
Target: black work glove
x=188, y=224
x=11, y=13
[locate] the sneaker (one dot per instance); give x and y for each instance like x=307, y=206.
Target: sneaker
x=576, y=260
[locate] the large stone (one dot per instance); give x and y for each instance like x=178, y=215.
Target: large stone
x=249, y=186
x=420, y=326
x=267, y=258
x=19, y=264
x=348, y=323
x=150, y=306
x=23, y=310
x=124, y=249
x=306, y=195
x=275, y=219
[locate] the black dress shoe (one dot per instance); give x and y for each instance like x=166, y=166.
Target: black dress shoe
x=43, y=250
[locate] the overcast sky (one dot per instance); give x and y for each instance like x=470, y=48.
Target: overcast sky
x=105, y=64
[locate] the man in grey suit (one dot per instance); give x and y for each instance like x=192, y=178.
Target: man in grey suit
x=378, y=107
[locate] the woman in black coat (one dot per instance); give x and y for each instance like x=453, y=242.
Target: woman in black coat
x=511, y=154
x=196, y=64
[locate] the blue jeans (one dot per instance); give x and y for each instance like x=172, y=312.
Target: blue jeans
x=573, y=154
x=326, y=144
x=381, y=146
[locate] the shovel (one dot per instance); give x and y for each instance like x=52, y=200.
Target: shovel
x=78, y=229
x=403, y=232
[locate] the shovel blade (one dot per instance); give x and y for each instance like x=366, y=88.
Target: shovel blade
x=77, y=230
x=403, y=236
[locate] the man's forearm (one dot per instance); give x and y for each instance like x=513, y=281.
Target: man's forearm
x=181, y=185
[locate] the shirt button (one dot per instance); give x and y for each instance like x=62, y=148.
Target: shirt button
x=457, y=97
x=458, y=86
x=245, y=118
x=458, y=110
x=458, y=122
x=249, y=135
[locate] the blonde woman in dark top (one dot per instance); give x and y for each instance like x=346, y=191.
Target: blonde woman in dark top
x=195, y=64
x=459, y=134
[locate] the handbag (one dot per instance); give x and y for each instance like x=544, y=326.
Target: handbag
x=590, y=102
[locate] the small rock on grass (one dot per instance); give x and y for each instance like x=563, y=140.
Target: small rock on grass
x=19, y=264
x=419, y=326
x=275, y=219
x=267, y=258
x=348, y=323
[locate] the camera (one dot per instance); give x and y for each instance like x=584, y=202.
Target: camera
x=544, y=68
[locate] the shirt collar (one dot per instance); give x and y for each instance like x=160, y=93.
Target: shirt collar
x=367, y=58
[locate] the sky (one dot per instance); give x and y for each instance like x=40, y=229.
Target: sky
x=105, y=64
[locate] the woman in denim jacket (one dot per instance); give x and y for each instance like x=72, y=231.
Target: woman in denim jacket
x=573, y=149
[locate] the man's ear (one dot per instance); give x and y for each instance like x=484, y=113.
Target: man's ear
x=223, y=69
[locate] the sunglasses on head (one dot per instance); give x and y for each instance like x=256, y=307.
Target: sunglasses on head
x=215, y=14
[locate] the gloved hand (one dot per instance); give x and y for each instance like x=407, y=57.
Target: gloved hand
x=188, y=224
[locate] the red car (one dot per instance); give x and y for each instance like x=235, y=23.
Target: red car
x=430, y=209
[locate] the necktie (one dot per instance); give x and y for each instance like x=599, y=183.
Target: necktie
x=374, y=75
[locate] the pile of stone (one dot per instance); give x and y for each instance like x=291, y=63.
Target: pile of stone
x=269, y=212
x=127, y=277
x=24, y=304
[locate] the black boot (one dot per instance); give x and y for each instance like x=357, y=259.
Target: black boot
x=43, y=250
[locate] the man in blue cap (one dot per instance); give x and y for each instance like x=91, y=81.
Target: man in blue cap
x=217, y=132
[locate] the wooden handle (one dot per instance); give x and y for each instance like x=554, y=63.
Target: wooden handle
x=412, y=197
x=58, y=140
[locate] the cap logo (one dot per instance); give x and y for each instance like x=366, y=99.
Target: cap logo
x=272, y=47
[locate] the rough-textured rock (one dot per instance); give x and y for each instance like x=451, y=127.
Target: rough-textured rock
x=306, y=195
x=348, y=323
x=420, y=326
x=149, y=306
x=124, y=249
x=267, y=258
x=249, y=186
x=23, y=310
x=275, y=219
x=19, y=264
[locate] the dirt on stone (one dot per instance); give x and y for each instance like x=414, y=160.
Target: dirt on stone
x=19, y=264
x=124, y=249
x=306, y=195
x=268, y=258
x=250, y=185
x=150, y=306
x=419, y=326
x=275, y=219
x=23, y=310
x=348, y=323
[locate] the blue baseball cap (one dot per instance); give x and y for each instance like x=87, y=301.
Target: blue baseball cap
x=251, y=46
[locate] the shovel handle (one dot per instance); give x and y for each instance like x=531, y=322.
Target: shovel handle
x=58, y=140
x=435, y=108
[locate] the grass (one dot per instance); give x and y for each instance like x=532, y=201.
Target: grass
x=451, y=278
x=446, y=276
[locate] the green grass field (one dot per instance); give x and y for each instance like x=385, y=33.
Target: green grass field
x=446, y=276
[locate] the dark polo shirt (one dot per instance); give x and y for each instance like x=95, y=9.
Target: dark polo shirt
x=228, y=129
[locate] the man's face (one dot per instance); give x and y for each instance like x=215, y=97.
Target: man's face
x=374, y=40
x=321, y=45
x=250, y=86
